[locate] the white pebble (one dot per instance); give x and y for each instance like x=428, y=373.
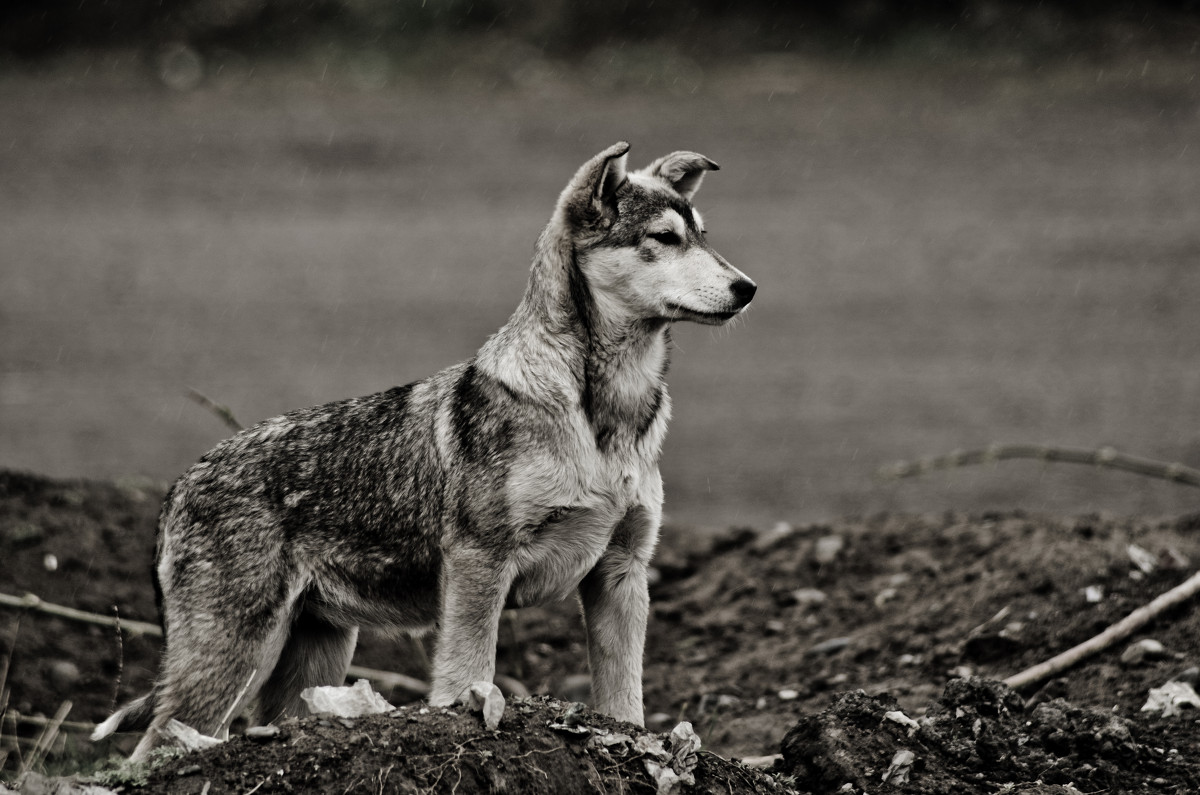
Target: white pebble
x=827, y=548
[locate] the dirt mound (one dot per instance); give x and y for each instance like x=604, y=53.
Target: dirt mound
x=755, y=635
x=765, y=627
x=978, y=738
x=541, y=746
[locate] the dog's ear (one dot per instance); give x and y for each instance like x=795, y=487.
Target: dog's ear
x=592, y=195
x=683, y=171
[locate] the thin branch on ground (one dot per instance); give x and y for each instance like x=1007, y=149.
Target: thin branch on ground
x=1102, y=457
x=37, y=720
x=1117, y=632
x=224, y=413
x=31, y=602
x=388, y=679
x=6, y=715
x=12, y=647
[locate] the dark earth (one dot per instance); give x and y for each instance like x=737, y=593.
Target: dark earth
x=791, y=640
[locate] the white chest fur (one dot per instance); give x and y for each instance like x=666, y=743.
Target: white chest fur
x=571, y=500
x=558, y=553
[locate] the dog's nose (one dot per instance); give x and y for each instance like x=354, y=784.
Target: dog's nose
x=743, y=290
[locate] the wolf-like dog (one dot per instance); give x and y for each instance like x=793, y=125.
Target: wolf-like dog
x=518, y=477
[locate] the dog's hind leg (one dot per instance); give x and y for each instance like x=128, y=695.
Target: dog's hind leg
x=317, y=653
x=205, y=684
x=616, y=605
x=227, y=619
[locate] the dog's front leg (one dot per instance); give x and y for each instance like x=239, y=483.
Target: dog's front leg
x=474, y=588
x=616, y=606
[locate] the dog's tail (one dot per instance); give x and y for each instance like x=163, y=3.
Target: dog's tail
x=133, y=717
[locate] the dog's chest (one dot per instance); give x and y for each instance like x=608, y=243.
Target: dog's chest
x=557, y=554
x=568, y=507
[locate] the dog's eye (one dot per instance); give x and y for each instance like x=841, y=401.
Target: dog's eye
x=666, y=238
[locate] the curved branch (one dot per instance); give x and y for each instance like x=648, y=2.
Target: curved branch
x=1102, y=457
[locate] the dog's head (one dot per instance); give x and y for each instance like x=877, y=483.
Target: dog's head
x=640, y=243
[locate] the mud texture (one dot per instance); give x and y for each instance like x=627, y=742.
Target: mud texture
x=788, y=640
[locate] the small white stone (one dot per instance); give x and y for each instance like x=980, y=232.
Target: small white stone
x=486, y=698
x=1144, y=649
x=896, y=716
x=809, y=596
x=1145, y=560
x=828, y=548
x=64, y=674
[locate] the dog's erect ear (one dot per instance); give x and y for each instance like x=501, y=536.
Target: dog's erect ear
x=683, y=171
x=591, y=195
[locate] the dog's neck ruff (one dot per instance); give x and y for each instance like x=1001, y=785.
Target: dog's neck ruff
x=562, y=349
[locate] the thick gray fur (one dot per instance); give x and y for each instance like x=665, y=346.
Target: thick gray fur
x=520, y=476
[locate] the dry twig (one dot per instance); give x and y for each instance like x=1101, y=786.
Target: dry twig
x=224, y=413
x=120, y=660
x=1117, y=632
x=1102, y=457
x=37, y=720
x=31, y=602
x=44, y=741
x=4, y=693
x=237, y=699
x=389, y=679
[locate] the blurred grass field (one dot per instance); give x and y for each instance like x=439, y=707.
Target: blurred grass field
x=946, y=256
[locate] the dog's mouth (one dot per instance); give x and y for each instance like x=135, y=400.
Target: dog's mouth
x=680, y=312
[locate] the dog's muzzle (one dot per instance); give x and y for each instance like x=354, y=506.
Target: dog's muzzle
x=743, y=292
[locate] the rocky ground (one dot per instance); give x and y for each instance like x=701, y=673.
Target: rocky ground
x=863, y=652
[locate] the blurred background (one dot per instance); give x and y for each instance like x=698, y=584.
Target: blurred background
x=970, y=222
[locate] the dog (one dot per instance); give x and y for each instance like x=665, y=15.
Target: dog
x=519, y=477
